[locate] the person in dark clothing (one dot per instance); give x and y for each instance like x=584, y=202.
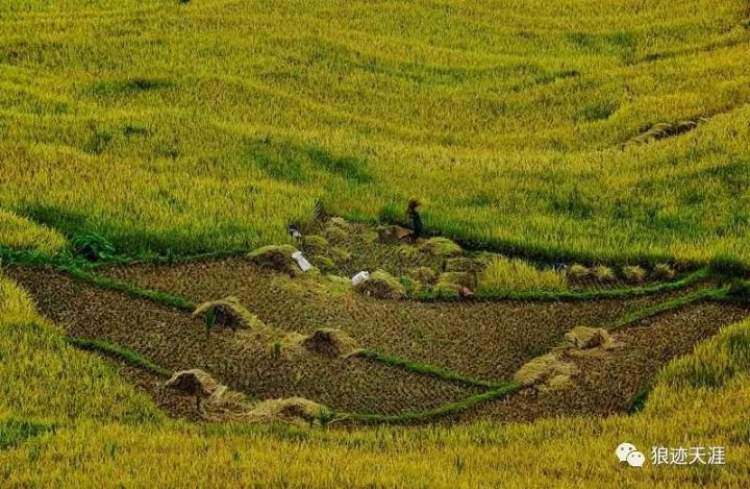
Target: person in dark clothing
x=414, y=219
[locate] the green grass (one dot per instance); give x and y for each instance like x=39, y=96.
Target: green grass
x=709, y=293
x=447, y=409
x=14, y=431
x=505, y=274
x=120, y=352
x=132, y=290
x=424, y=369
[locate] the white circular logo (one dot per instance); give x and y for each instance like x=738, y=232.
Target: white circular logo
x=623, y=450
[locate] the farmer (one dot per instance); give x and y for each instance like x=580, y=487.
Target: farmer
x=414, y=218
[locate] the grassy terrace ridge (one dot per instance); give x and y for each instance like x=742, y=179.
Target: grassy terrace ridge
x=133, y=290
x=85, y=271
x=424, y=369
x=497, y=392
x=120, y=352
x=709, y=293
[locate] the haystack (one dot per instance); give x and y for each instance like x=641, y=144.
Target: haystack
x=278, y=258
x=336, y=234
x=296, y=410
x=228, y=312
x=462, y=279
x=394, y=234
x=424, y=275
x=316, y=245
x=193, y=382
x=339, y=222
x=464, y=264
x=330, y=342
x=447, y=290
x=382, y=285
x=585, y=338
x=442, y=247
x=213, y=400
x=546, y=371
x=339, y=255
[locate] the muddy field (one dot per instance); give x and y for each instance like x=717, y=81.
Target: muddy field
x=483, y=340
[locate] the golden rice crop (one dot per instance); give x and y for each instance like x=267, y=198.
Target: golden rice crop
x=504, y=273
x=211, y=125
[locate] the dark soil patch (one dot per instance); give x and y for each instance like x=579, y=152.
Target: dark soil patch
x=488, y=340
x=241, y=360
x=606, y=384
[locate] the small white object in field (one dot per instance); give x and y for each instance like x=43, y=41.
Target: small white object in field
x=302, y=261
x=361, y=277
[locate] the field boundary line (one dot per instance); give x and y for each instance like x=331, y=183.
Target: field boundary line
x=440, y=373
x=115, y=350
x=443, y=410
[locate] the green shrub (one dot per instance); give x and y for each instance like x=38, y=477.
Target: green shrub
x=92, y=246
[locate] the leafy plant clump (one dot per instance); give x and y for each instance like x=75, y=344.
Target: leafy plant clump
x=93, y=247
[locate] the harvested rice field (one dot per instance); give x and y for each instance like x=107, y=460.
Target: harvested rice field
x=485, y=342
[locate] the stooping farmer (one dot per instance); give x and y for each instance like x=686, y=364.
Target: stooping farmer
x=414, y=219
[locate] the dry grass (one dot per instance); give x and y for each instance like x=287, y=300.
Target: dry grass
x=634, y=274
x=229, y=312
x=548, y=369
x=382, y=285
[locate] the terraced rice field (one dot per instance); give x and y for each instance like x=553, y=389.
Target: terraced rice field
x=485, y=341
x=578, y=274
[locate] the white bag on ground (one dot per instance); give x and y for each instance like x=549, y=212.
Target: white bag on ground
x=360, y=278
x=302, y=261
